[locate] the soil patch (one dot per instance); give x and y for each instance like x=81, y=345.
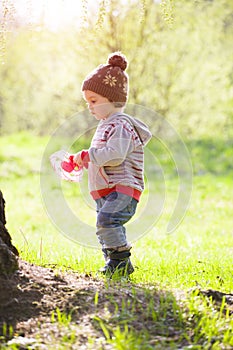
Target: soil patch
x=47, y=308
x=42, y=307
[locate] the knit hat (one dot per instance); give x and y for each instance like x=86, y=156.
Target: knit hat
x=109, y=80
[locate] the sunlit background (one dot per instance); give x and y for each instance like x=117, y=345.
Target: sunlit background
x=179, y=52
x=54, y=14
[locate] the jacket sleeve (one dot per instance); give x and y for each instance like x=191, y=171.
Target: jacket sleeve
x=119, y=143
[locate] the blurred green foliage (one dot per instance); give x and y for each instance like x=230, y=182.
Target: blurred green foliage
x=180, y=65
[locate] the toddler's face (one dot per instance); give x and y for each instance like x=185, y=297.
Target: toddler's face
x=98, y=105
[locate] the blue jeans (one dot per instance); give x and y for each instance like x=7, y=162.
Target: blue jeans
x=113, y=211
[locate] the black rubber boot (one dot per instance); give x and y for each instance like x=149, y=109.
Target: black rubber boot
x=117, y=262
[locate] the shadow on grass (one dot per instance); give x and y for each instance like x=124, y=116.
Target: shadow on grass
x=50, y=308
x=61, y=307
x=130, y=316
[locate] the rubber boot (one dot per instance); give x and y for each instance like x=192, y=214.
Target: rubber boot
x=118, y=262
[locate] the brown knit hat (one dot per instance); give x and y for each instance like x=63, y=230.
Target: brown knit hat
x=109, y=80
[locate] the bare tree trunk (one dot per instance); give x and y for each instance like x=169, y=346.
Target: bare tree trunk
x=8, y=253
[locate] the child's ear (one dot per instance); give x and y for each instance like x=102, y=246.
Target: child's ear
x=118, y=104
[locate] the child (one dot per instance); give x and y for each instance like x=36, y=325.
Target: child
x=114, y=160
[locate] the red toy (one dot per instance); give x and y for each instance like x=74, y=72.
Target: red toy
x=65, y=167
x=70, y=165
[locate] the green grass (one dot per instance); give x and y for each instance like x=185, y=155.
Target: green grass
x=198, y=253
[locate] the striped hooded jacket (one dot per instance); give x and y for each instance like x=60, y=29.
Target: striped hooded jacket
x=117, y=157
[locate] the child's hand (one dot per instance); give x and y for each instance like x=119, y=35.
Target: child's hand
x=82, y=158
x=77, y=159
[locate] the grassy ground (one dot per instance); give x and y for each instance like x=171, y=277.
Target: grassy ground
x=198, y=255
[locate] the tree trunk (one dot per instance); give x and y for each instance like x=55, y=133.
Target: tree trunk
x=8, y=253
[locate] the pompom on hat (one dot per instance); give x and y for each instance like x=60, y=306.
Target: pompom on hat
x=109, y=80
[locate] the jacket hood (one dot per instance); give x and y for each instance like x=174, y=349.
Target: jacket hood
x=140, y=127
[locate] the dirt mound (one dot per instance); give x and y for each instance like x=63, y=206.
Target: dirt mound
x=30, y=296
x=43, y=307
